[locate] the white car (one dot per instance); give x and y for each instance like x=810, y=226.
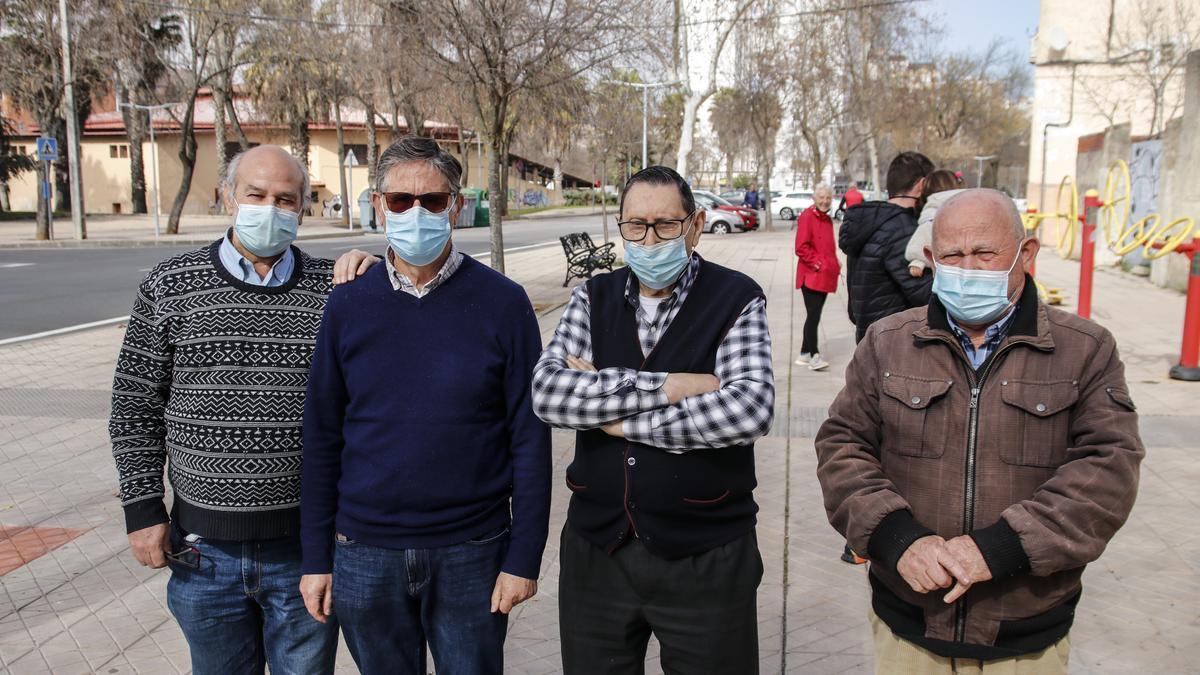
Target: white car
x=790, y=204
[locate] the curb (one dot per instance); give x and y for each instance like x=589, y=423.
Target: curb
x=163, y=241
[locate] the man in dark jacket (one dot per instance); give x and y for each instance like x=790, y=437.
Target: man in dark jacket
x=873, y=236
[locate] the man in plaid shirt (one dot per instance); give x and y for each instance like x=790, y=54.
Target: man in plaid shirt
x=664, y=370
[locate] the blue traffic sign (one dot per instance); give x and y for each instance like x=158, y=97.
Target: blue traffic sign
x=47, y=149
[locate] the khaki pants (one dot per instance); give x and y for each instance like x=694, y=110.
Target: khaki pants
x=896, y=656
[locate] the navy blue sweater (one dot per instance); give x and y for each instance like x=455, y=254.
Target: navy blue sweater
x=418, y=423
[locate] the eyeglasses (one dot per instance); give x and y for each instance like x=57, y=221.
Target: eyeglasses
x=188, y=557
x=399, y=202
x=669, y=228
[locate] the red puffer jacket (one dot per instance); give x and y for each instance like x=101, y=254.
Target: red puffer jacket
x=818, y=266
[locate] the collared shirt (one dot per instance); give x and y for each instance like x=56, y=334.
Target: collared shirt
x=243, y=270
x=400, y=282
x=992, y=337
x=738, y=413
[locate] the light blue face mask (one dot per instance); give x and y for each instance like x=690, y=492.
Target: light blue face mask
x=657, y=266
x=418, y=236
x=974, y=297
x=265, y=231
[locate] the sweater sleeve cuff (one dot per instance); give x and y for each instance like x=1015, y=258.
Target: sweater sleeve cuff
x=1002, y=550
x=145, y=513
x=892, y=537
x=524, y=564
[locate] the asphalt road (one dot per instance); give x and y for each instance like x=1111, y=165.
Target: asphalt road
x=52, y=289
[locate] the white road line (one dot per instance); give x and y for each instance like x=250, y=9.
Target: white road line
x=6, y=266
x=61, y=331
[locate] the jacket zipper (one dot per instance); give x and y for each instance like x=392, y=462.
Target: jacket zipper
x=960, y=609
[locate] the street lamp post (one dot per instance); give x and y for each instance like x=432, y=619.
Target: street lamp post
x=153, y=153
x=645, y=87
x=979, y=168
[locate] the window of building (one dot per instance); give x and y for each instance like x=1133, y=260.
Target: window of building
x=360, y=152
x=124, y=151
x=112, y=151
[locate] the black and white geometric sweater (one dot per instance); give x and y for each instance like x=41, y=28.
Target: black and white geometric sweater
x=211, y=377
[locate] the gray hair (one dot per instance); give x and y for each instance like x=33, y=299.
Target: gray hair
x=1001, y=199
x=822, y=186
x=419, y=149
x=230, y=179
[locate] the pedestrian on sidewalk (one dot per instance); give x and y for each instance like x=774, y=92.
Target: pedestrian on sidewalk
x=816, y=271
x=852, y=198
x=940, y=186
x=873, y=236
x=751, y=200
x=211, y=375
x=426, y=488
x=1007, y=519
x=664, y=370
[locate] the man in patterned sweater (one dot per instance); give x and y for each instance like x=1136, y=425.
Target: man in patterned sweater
x=212, y=376
x=664, y=369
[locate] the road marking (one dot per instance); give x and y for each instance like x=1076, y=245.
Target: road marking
x=61, y=331
x=5, y=266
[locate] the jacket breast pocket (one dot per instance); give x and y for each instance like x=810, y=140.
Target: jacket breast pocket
x=1042, y=412
x=915, y=412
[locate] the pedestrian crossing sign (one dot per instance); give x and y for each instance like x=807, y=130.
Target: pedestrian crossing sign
x=47, y=149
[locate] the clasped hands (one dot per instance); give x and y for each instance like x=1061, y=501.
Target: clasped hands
x=931, y=563
x=677, y=387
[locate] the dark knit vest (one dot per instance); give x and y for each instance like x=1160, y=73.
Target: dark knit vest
x=679, y=504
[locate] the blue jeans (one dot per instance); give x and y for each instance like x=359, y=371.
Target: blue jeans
x=242, y=609
x=391, y=603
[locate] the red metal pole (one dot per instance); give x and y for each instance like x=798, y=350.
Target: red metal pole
x=1087, y=256
x=1188, y=367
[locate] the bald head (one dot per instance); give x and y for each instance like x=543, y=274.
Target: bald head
x=980, y=207
x=267, y=174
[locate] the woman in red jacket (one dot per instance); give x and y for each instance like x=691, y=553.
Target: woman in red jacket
x=816, y=270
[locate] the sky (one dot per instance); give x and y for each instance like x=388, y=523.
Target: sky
x=972, y=24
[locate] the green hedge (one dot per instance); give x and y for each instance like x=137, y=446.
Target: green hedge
x=585, y=197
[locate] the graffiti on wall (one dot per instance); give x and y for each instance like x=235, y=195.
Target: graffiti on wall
x=1145, y=161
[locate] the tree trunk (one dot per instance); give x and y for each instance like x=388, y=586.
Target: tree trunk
x=219, y=140
x=5, y=205
x=187, y=160
x=135, y=128
x=691, y=106
x=43, y=205
x=497, y=163
x=729, y=171
x=298, y=139
x=372, y=154
x=873, y=164
x=604, y=194
x=341, y=154
x=236, y=124
x=558, y=178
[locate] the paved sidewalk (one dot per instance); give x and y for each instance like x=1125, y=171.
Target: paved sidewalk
x=84, y=605
x=138, y=230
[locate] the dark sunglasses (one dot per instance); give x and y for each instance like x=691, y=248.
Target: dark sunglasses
x=188, y=557
x=434, y=202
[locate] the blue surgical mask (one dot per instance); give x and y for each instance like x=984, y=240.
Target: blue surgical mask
x=417, y=235
x=265, y=231
x=974, y=297
x=657, y=266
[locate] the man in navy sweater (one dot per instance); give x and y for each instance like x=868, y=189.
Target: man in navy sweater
x=425, y=495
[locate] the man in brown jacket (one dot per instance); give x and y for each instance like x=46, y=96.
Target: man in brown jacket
x=984, y=444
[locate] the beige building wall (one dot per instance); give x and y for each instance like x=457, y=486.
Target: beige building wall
x=1104, y=92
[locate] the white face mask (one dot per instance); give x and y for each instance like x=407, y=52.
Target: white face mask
x=974, y=297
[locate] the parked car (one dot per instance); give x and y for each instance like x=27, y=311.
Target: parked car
x=790, y=204
x=710, y=201
x=734, y=196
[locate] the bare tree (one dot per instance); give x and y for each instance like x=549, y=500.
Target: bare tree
x=499, y=50
x=1155, y=43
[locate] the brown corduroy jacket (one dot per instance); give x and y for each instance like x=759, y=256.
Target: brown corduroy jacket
x=1035, y=456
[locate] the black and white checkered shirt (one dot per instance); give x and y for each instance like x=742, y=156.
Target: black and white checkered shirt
x=738, y=413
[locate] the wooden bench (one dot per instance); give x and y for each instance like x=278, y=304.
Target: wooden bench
x=584, y=258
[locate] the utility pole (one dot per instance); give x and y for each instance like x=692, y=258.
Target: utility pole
x=980, y=159
x=153, y=154
x=72, y=126
x=645, y=108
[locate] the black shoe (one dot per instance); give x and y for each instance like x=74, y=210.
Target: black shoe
x=851, y=557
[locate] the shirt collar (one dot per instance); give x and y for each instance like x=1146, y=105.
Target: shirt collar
x=633, y=289
x=400, y=282
x=241, y=268
x=994, y=333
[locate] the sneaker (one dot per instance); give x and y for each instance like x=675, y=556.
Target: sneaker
x=851, y=557
x=817, y=363
x=803, y=359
